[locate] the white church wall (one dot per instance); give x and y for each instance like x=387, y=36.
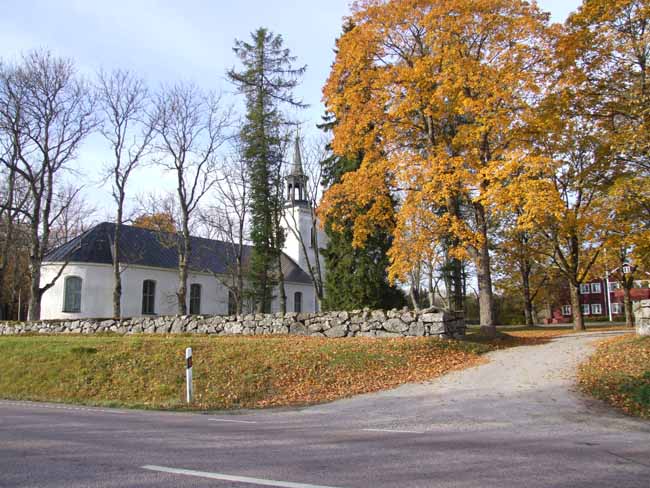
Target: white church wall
x=97, y=292
x=308, y=298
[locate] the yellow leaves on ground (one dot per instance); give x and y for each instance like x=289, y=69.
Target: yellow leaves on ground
x=619, y=373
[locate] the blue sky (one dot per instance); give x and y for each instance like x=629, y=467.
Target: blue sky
x=167, y=40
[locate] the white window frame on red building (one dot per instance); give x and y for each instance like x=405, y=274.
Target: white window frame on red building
x=596, y=309
x=617, y=308
x=566, y=310
x=596, y=288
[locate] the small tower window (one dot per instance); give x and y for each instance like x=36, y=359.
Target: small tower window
x=297, y=302
x=72, y=302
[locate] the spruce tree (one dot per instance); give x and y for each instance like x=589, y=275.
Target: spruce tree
x=267, y=80
x=356, y=277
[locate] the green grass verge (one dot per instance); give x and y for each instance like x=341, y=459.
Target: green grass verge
x=619, y=374
x=147, y=371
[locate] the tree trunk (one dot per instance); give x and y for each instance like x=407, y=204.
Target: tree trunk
x=576, y=307
x=117, y=287
x=283, y=292
x=183, y=258
x=117, y=275
x=627, y=299
x=34, y=312
x=239, y=305
x=454, y=284
x=528, y=301
x=182, y=285
x=414, y=298
x=484, y=275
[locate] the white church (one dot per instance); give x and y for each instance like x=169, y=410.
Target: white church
x=150, y=267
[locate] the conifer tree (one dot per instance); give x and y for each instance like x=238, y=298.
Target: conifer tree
x=267, y=80
x=356, y=277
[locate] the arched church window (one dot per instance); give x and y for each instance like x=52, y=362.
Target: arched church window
x=72, y=301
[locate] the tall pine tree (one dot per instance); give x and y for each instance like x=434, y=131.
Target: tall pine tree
x=267, y=80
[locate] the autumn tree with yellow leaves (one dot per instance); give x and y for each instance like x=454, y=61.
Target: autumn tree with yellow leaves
x=435, y=94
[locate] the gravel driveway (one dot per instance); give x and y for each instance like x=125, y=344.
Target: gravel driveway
x=516, y=387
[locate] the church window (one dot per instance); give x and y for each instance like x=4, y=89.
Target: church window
x=195, y=299
x=297, y=302
x=148, y=297
x=72, y=302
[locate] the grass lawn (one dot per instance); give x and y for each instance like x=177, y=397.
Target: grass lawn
x=619, y=373
x=229, y=372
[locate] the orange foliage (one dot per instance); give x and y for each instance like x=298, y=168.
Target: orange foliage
x=434, y=94
x=160, y=222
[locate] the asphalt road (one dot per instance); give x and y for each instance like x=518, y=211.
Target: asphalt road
x=510, y=423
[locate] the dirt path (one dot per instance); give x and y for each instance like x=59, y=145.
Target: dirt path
x=522, y=387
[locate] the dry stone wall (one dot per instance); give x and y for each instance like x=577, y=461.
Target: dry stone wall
x=642, y=317
x=361, y=323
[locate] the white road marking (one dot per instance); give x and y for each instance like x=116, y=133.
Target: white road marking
x=58, y=407
x=234, y=421
x=394, y=431
x=228, y=477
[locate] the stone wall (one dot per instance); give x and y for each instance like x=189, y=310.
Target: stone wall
x=642, y=317
x=361, y=323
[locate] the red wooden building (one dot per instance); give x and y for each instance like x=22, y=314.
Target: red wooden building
x=594, y=301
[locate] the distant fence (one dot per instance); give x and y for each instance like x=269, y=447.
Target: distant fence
x=359, y=323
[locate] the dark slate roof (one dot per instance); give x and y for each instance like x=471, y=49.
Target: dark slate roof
x=146, y=247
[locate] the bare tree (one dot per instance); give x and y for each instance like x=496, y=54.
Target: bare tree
x=227, y=220
x=48, y=111
x=8, y=213
x=128, y=128
x=76, y=215
x=190, y=128
x=13, y=197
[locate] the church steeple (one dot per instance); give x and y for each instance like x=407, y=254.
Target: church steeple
x=297, y=179
x=296, y=167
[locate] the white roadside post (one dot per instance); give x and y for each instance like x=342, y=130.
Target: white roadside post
x=188, y=373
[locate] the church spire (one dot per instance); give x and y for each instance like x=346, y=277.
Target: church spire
x=296, y=167
x=296, y=179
